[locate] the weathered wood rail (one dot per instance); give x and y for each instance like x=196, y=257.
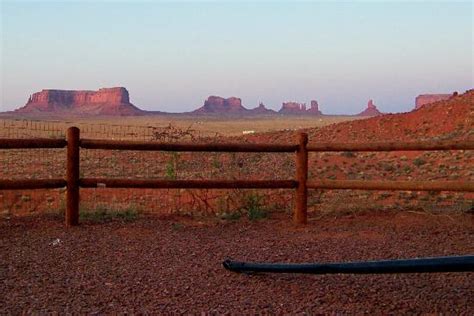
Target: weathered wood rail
x=301, y=184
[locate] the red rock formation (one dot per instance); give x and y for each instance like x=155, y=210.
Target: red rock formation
x=106, y=101
x=215, y=104
x=314, y=109
x=292, y=108
x=371, y=110
x=261, y=109
x=423, y=99
x=300, y=108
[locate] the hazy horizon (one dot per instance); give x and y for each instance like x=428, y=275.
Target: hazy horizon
x=172, y=55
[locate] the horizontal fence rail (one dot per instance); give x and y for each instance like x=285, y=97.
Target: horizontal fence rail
x=300, y=184
x=460, y=186
x=187, y=184
x=8, y=143
x=136, y=145
x=32, y=184
x=394, y=146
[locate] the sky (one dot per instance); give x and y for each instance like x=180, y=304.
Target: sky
x=172, y=55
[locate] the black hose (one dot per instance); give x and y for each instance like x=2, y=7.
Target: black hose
x=417, y=265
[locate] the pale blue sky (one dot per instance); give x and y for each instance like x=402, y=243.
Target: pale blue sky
x=172, y=55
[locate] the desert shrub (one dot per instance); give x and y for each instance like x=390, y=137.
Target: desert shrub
x=388, y=167
x=232, y=216
x=170, y=171
x=348, y=154
x=254, y=206
x=419, y=162
x=171, y=166
x=102, y=214
x=384, y=195
x=177, y=226
x=216, y=163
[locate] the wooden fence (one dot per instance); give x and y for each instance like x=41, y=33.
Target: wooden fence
x=301, y=184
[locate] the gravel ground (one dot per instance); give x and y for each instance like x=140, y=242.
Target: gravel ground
x=173, y=265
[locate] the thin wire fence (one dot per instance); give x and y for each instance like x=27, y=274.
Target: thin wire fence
x=51, y=163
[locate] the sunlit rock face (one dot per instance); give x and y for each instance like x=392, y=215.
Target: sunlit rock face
x=216, y=104
x=105, y=101
x=423, y=99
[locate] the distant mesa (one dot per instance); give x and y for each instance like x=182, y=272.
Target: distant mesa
x=300, y=108
x=292, y=108
x=424, y=99
x=229, y=106
x=371, y=110
x=215, y=104
x=116, y=102
x=233, y=106
x=105, y=101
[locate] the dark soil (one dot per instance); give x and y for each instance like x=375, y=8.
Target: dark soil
x=174, y=265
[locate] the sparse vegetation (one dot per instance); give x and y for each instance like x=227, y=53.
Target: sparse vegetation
x=349, y=154
x=232, y=216
x=172, y=166
x=254, y=206
x=177, y=226
x=419, y=162
x=102, y=213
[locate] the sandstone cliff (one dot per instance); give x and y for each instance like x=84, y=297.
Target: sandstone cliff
x=423, y=99
x=105, y=101
x=371, y=110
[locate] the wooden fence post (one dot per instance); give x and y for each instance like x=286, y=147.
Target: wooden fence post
x=72, y=177
x=300, y=213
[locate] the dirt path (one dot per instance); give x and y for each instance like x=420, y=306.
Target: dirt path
x=174, y=265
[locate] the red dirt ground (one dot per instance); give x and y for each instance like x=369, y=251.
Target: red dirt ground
x=173, y=265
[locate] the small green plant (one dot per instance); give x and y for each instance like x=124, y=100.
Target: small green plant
x=171, y=166
x=170, y=171
x=216, y=163
x=254, y=207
